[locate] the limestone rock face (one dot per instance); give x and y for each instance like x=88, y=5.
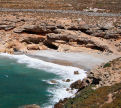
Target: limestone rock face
x=64, y=35
x=104, y=30
x=6, y=27
x=81, y=39
x=29, y=39
x=36, y=29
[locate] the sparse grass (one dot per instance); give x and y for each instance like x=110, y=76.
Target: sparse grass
x=109, y=5
x=113, y=62
x=88, y=98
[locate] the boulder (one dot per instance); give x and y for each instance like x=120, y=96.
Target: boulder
x=68, y=80
x=53, y=81
x=81, y=84
x=76, y=85
x=67, y=89
x=76, y=72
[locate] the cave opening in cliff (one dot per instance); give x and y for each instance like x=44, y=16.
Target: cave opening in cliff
x=35, y=32
x=97, y=48
x=50, y=45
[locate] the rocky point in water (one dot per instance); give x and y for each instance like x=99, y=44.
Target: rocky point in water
x=102, y=88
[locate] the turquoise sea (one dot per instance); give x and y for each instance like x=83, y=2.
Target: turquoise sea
x=20, y=85
x=25, y=80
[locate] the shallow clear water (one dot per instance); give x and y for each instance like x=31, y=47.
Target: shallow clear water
x=21, y=85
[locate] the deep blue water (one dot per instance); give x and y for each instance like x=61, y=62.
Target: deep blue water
x=21, y=85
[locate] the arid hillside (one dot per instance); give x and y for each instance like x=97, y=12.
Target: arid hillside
x=105, y=5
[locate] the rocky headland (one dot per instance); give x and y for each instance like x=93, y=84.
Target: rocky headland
x=101, y=89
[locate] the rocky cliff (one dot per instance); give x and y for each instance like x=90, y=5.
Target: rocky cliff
x=101, y=89
x=22, y=33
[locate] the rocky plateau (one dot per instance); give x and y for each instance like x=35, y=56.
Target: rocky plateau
x=22, y=34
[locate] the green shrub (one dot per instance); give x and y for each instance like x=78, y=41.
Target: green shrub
x=107, y=65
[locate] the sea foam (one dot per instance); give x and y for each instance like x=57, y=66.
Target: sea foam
x=66, y=72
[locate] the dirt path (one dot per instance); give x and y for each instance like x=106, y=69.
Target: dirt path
x=60, y=11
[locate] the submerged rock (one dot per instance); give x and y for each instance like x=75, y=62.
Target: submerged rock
x=67, y=89
x=68, y=80
x=76, y=72
x=30, y=106
x=53, y=81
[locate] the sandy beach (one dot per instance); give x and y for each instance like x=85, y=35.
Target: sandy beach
x=83, y=60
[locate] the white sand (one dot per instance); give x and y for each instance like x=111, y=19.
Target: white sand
x=82, y=59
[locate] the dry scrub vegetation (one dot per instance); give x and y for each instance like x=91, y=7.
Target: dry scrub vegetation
x=108, y=5
x=104, y=97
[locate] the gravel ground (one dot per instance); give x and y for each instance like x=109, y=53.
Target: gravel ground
x=61, y=11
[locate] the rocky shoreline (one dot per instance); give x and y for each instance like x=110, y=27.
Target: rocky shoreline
x=105, y=79
x=21, y=33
